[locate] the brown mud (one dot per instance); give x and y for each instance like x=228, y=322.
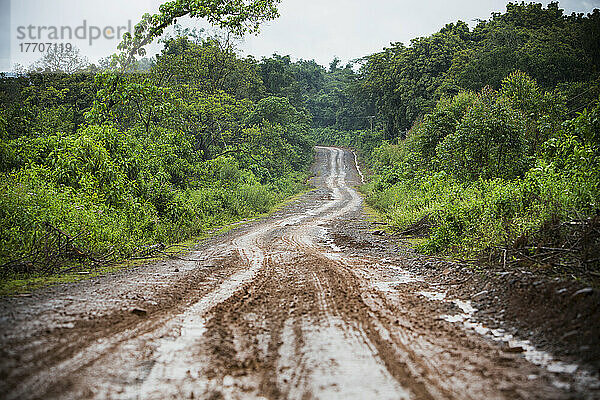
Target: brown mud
x=306, y=303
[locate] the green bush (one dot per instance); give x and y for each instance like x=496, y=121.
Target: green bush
x=489, y=183
x=488, y=141
x=118, y=191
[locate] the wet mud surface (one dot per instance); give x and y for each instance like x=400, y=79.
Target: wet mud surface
x=305, y=304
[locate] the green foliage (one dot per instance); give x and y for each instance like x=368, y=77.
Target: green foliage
x=478, y=188
x=479, y=135
x=364, y=141
x=488, y=141
x=404, y=83
x=237, y=16
x=208, y=65
x=155, y=160
x=575, y=153
x=441, y=122
x=43, y=104
x=122, y=190
x=332, y=97
x=276, y=110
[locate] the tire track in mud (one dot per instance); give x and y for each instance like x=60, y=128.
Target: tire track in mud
x=50, y=357
x=318, y=366
x=170, y=358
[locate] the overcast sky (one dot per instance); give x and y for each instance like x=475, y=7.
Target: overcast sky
x=349, y=29
x=308, y=29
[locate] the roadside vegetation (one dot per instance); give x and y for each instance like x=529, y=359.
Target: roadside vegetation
x=483, y=141
x=495, y=176
x=104, y=164
x=486, y=143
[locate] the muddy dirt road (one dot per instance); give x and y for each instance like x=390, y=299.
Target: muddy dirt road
x=287, y=307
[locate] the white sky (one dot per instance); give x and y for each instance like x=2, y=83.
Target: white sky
x=349, y=29
x=307, y=29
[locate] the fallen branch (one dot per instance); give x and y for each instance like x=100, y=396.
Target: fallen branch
x=70, y=242
x=50, y=250
x=549, y=248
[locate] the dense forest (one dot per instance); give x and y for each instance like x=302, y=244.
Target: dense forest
x=487, y=140
x=481, y=141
